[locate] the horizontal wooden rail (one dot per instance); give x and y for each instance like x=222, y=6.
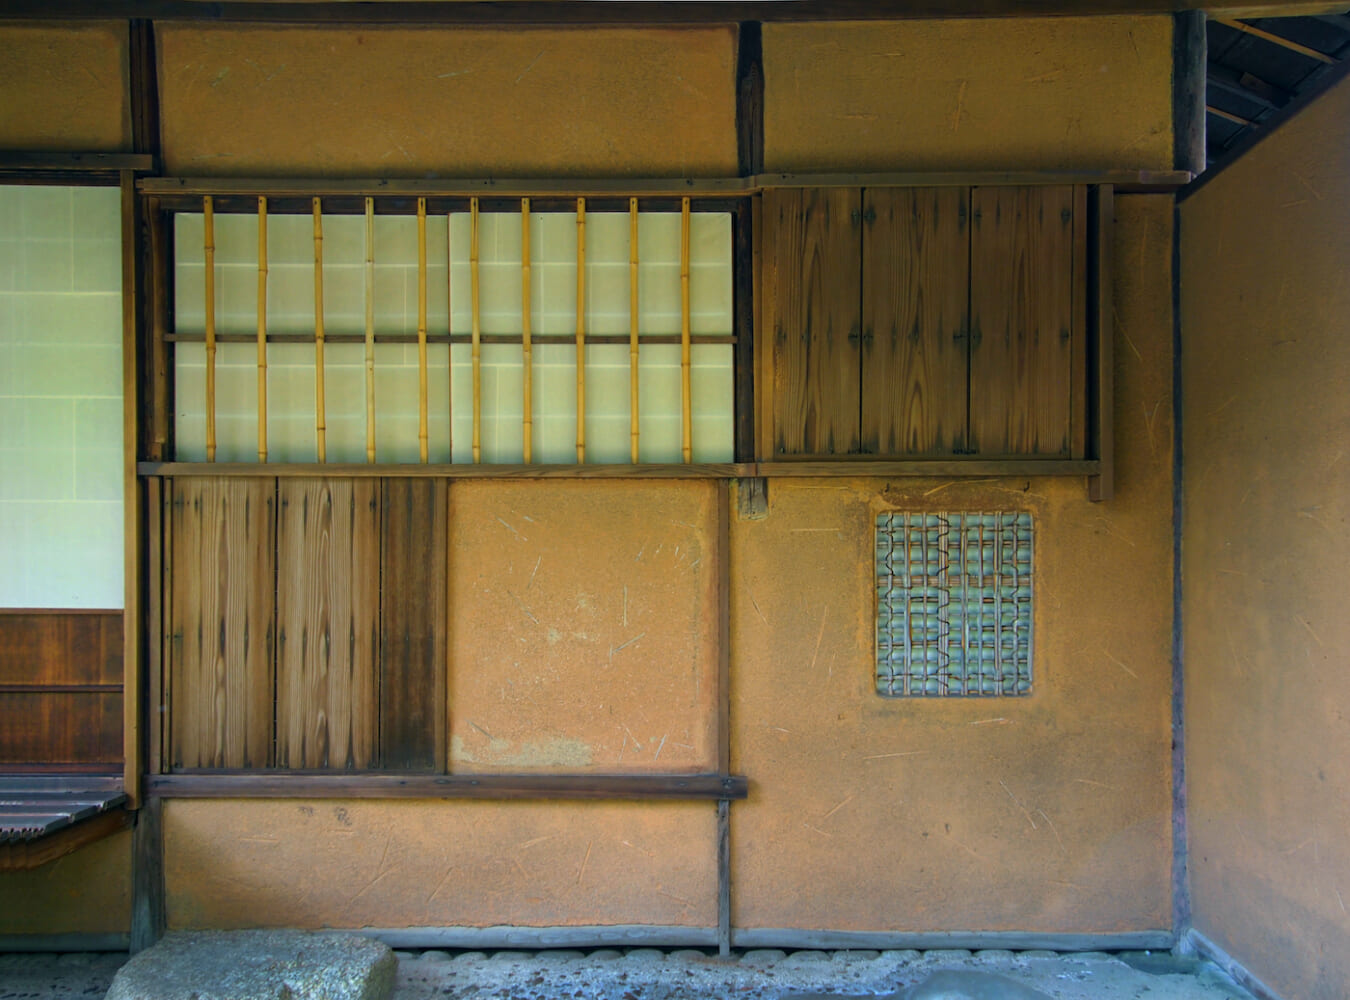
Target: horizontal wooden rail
x=76, y=161
x=710, y=187
x=60, y=688
x=310, y=784
x=441, y=338
x=944, y=468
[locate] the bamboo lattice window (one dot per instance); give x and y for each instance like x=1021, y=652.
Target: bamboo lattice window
x=954, y=610
x=488, y=332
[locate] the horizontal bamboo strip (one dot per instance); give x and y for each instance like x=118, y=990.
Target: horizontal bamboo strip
x=527, y=347
x=633, y=339
x=686, y=365
x=209, y=251
x=477, y=354
x=320, y=418
x=459, y=338
x=262, y=329
x=581, y=330
x=370, y=330
x=422, y=327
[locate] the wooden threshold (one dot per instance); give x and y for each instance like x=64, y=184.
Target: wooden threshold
x=704, y=187
x=309, y=784
x=941, y=468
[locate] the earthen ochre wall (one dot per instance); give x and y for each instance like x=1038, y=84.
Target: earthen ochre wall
x=1265, y=348
x=1049, y=813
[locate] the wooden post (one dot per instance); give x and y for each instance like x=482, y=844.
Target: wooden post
x=147, y=877
x=1190, y=57
x=422, y=327
x=1102, y=486
x=209, y=250
x=686, y=380
x=320, y=420
x=633, y=325
x=262, y=329
x=527, y=349
x=133, y=493
x=477, y=333
x=449, y=342
x=370, y=330
x=581, y=331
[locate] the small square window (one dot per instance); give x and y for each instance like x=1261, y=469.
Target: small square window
x=953, y=604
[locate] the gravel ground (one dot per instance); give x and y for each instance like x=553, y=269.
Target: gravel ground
x=649, y=974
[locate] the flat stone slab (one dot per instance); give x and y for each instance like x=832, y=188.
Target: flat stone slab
x=258, y=965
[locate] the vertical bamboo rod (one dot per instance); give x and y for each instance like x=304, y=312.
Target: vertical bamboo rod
x=527, y=349
x=477, y=333
x=320, y=421
x=262, y=329
x=633, y=324
x=422, y=327
x=370, y=330
x=209, y=249
x=581, y=331
x=686, y=382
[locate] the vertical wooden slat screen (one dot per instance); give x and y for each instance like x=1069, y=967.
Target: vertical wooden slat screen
x=526, y=347
x=262, y=329
x=1021, y=265
x=320, y=419
x=686, y=362
x=633, y=331
x=370, y=329
x=422, y=328
x=581, y=331
x=328, y=606
x=223, y=539
x=813, y=317
x=915, y=295
x=413, y=624
x=476, y=347
x=209, y=252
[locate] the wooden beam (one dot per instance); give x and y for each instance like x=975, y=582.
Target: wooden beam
x=571, y=188
x=107, y=162
x=1229, y=116
x=565, y=12
x=1190, y=56
x=750, y=98
x=143, y=89
x=1292, y=46
x=307, y=784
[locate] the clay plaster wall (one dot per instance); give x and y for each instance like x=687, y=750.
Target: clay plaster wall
x=1266, y=350
x=64, y=88
x=87, y=892
x=390, y=102
x=997, y=94
x=1046, y=813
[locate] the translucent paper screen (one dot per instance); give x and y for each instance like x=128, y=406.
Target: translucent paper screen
x=553, y=297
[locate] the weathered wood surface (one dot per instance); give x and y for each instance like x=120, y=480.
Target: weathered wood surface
x=223, y=537
x=812, y=266
x=34, y=806
x=915, y=294
x=287, y=785
x=328, y=605
x=1021, y=265
x=60, y=687
x=413, y=624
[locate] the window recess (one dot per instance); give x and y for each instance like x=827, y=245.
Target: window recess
x=937, y=325
x=450, y=330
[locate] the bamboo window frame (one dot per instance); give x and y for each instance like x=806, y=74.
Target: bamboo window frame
x=447, y=206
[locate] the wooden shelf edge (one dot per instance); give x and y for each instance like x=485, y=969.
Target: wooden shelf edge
x=707, y=187
x=944, y=468
x=309, y=784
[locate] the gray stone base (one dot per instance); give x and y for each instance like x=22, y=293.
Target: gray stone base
x=258, y=965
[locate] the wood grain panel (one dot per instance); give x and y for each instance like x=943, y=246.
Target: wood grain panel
x=61, y=727
x=60, y=647
x=328, y=607
x=1021, y=278
x=915, y=293
x=413, y=624
x=813, y=264
x=223, y=537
